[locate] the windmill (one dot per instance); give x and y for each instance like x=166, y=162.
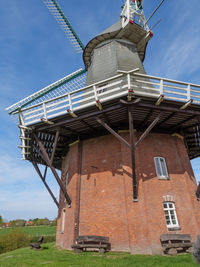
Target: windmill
x=121, y=138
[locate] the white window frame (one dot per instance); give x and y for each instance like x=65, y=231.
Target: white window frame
x=170, y=214
x=161, y=168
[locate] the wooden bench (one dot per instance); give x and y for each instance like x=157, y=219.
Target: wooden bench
x=37, y=246
x=83, y=243
x=174, y=243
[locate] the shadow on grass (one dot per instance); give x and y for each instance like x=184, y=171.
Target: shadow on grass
x=45, y=247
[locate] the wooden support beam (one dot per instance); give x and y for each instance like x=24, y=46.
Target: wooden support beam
x=146, y=119
x=70, y=130
x=54, y=146
x=149, y=129
x=167, y=118
x=45, y=172
x=105, y=125
x=118, y=106
x=130, y=94
x=162, y=108
x=44, y=182
x=99, y=105
x=183, y=121
x=89, y=126
x=47, y=121
x=71, y=113
x=187, y=104
x=106, y=118
x=193, y=125
x=160, y=100
x=85, y=116
x=132, y=148
x=48, y=162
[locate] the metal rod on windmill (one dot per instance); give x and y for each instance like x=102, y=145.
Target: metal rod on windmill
x=154, y=12
x=156, y=24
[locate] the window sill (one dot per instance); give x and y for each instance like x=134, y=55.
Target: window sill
x=163, y=178
x=174, y=228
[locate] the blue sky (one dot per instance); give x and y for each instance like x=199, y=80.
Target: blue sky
x=34, y=52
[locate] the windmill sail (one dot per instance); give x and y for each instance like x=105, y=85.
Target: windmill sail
x=69, y=83
x=65, y=25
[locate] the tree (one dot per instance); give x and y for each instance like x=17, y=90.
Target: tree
x=54, y=222
x=40, y=221
x=17, y=223
x=44, y=221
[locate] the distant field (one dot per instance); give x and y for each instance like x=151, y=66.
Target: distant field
x=33, y=230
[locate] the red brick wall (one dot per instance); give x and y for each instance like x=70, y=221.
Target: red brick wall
x=106, y=205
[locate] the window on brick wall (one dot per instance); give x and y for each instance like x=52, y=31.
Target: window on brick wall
x=161, y=168
x=170, y=214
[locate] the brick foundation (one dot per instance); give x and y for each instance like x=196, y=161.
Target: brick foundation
x=106, y=205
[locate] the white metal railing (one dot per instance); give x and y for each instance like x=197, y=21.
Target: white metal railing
x=129, y=13
x=114, y=87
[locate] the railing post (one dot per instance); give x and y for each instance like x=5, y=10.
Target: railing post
x=95, y=93
x=22, y=133
x=44, y=110
x=70, y=102
x=22, y=127
x=98, y=103
x=161, y=87
x=70, y=110
x=129, y=81
x=188, y=92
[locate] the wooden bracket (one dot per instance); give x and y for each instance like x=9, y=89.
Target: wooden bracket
x=72, y=113
x=98, y=104
x=48, y=162
x=160, y=100
x=131, y=145
x=150, y=127
x=47, y=121
x=44, y=182
x=130, y=94
x=54, y=146
x=187, y=104
x=105, y=125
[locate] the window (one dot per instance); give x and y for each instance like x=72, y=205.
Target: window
x=161, y=168
x=170, y=214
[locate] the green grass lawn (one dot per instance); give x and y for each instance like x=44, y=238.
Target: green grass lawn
x=52, y=256
x=32, y=230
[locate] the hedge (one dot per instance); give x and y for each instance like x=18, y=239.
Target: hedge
x=17, y=239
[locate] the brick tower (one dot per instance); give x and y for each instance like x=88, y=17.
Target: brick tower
x=123, y=141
